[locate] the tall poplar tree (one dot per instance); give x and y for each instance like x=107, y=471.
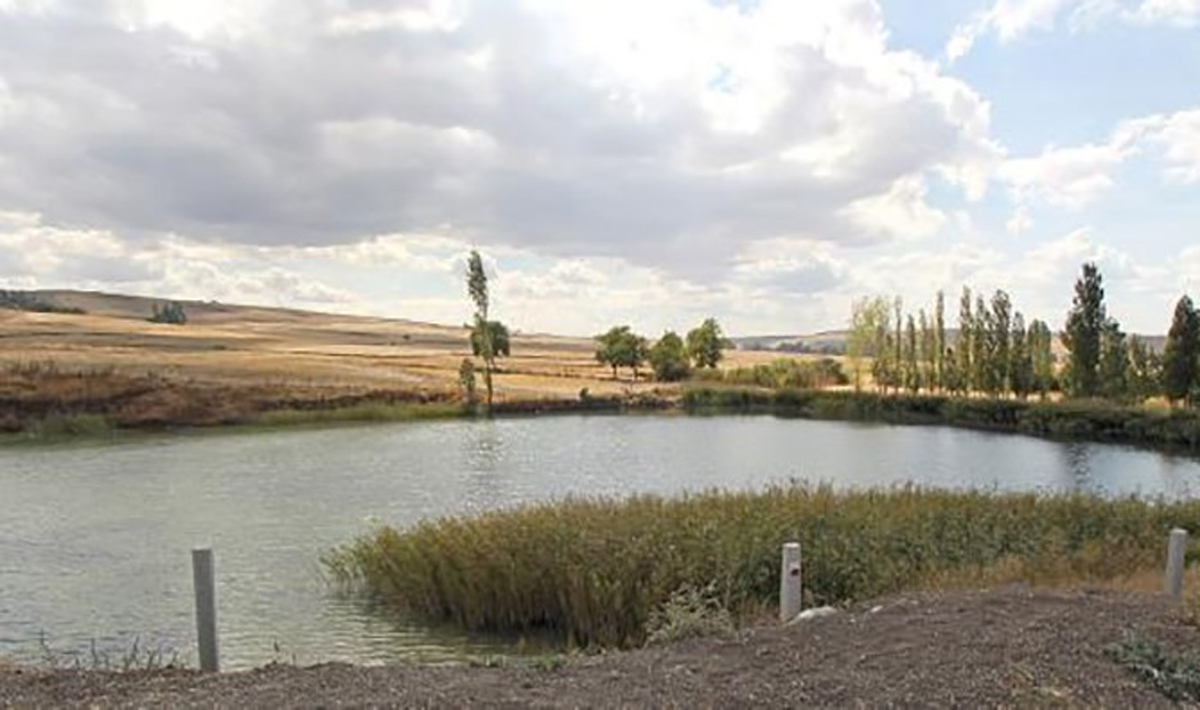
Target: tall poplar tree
x=928, y=352
x=1021, y=371
x=964, y=346
x=1000, y=357
x=939, y=340
x=981, y=348
x=1179, y=368
x=1085, y=325
x=912, y=364
x=1145, y=370
x=1041, y=344
x=1114, y=361
x=488, y=338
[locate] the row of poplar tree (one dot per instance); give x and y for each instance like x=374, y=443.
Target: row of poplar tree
x=995, y=352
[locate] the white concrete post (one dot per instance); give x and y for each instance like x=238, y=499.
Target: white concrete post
x=1175, y=554
x=206, y=608
x=789, y=583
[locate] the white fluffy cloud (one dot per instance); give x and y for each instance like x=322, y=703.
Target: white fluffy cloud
x=1010, y=20
x=1176, y=135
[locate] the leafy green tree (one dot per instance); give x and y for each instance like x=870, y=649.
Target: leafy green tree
x=1145, y=370
x=1021, y=377
x=981, y=348
x=484, y=332
x=1114, y=361
x=466, y=382
x=940, y=344
x=999, y=356
x=1041, y=352
x=898, y=341
x=1180, y=357
x=912, y=366
x=171, y=313
x=1083, y=333
x=495, y=334
x=706, y=343
x=669, y=358
x=868, y=326
x=964, y=346
x=621, y=347
x=928, y=352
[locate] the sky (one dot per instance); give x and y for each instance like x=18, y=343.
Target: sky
x=765, y=162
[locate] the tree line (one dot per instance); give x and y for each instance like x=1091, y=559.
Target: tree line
x=671, y=358
x=995, y=352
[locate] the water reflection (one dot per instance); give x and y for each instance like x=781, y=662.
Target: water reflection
x=1077, y=465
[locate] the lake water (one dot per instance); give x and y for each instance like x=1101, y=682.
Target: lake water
x=95, y=539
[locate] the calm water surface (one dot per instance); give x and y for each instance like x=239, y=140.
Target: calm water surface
x=95, y=538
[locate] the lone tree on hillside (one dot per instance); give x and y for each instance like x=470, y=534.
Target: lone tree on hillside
x=489, y=339
x=669, y=358
x=1179, y=367
x=1086, y=322
x=621, y=347
x=169, y=313
x=705, y=343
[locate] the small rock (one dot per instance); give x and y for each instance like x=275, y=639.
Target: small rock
x=809, y=614
x=876, y=609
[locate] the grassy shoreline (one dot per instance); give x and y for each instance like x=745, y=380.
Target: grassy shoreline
x=1172, y=431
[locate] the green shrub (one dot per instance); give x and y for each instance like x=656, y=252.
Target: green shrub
x=689, y=613
x=1175, y=675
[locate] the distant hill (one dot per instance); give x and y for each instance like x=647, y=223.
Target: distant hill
x=319, y=324
x=831, y=342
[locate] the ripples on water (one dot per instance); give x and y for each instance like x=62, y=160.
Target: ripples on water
x=95, y=538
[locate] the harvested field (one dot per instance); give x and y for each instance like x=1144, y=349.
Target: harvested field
x=229, y=363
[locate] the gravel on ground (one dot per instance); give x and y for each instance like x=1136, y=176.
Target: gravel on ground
x=1005, y=647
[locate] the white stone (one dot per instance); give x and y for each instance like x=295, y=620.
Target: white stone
x=810, y=614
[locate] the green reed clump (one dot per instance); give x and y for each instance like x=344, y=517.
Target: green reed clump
x=598, y=569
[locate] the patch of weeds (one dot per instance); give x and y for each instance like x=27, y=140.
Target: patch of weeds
x=548, y=662
x=1175, y=675
x=136, y=658
x=690, y=612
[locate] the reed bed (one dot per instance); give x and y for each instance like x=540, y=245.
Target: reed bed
x=596, y=570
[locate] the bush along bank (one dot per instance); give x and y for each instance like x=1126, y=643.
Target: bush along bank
x=598, y=571
x=1089, y=420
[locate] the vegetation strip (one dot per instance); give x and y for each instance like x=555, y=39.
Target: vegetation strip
x=1087, y=420
x=598, y=570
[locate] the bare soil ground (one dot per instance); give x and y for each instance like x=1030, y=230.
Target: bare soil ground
x=1001, y=648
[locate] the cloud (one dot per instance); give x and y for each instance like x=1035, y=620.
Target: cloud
x=902, y=211
x=1010, y=20
x=1076, y=176
x=666, y=134
x=1066, y=177
x=1177, y=136
x=1181, y=13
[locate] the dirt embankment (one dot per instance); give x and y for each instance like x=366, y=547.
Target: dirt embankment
x=1005, y=647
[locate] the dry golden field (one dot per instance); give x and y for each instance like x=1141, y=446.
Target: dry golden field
x=229, y=362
